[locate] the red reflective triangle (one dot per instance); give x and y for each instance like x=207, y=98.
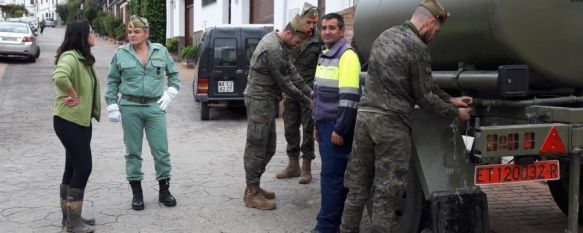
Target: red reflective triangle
x=553, y=143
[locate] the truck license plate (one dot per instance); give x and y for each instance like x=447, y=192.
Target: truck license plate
x=512, y=173
x=226, y=86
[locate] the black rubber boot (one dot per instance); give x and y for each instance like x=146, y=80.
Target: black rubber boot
x=63, y=194
x=138, y=199
x=74, y=208
x=166, y=197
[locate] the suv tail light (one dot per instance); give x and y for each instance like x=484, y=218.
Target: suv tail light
x=203, y=85
x=27, y=39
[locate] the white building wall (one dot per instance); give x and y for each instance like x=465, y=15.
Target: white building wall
x=285, y=11
x=338, y=5
x=210, y=15
x=170, y=18
x=240, y=10
x=179, y=11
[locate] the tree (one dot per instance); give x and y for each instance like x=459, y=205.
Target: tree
x=156, y=18
x=14, y=10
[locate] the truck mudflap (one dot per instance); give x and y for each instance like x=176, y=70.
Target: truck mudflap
x=446, y=175
x=464, y=212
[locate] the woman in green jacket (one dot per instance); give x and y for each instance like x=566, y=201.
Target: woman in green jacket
x=76, y=103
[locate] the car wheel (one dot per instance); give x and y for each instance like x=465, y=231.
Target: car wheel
x=204, y=111
x=38, y=53
x=32, y=59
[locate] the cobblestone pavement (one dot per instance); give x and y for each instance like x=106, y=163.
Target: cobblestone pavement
x=208, y=175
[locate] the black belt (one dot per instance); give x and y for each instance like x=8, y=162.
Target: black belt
x=140, y=99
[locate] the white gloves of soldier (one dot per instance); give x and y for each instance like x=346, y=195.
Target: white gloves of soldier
x=113, y=112
x=165, y=100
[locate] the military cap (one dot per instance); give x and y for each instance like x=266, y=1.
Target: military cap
x=436, y=10
x=300, y=27
x=309, y=11
x=138, y=22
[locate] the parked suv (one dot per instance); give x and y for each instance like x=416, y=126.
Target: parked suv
x=50, y=22
x=223, y=65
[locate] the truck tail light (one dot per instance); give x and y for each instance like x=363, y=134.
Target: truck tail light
x=203, y=85
x=553, y=143
x=492, y=142
x=528, y=141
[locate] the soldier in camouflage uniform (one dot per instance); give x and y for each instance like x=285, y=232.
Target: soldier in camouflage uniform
x=295, y=114
x=270, y=73
x=399, y=78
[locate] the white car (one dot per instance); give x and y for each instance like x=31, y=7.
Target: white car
x=18, y=39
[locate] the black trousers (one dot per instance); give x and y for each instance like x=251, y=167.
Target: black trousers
x=77, y=142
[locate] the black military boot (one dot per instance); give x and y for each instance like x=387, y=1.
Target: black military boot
x=138, y=199
x=165, y=197
x=74, y=208
x=63, y=194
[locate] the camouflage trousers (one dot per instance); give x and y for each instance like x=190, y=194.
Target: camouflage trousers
x=261, y=137
x=377, y=169
x=296, y=115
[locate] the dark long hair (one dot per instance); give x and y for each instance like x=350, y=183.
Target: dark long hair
x=76, y=39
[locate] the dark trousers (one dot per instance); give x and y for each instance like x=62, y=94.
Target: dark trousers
x=333, y=193
x=76, y=139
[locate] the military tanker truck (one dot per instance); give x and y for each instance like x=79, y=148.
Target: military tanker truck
x=522, y=61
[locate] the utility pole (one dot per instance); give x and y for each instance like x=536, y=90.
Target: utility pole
x=321, y=11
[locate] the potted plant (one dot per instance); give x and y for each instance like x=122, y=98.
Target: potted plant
x=172, y=46
x=189, y=54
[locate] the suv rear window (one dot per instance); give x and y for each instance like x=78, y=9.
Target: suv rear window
x=225, y=52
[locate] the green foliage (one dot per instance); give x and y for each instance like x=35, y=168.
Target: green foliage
x=107, y=23
x=97, y=24
x=71, y=11
x=90, y=10
x=154, y=11
x=120, y=32
x=172, y=45
x=14, y=10
x=189, y=52
x=63, y=11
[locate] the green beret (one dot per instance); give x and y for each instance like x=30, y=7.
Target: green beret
x=436, y=9
x=309, y=11
x=138, y=22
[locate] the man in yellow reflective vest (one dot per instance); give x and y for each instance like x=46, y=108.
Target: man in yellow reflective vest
x=336, y=96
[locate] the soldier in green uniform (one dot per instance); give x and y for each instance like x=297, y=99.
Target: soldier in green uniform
x=137, y=73
x=270, y=73
x=399, y=77
x=295, y=114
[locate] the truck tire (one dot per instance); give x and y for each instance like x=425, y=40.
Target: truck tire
x=560, y=190
x=204, y=111
x=412, y=214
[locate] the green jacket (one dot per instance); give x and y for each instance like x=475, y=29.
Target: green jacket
x=305, y=57
x=71, y=71
x=271, y=72
x=127, y=75
x=399, y=76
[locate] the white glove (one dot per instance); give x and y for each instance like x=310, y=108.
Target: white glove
x=165, y=100
x=113, y=112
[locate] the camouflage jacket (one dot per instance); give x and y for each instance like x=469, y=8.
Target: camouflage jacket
x=305, y=57
x=272, y=72
x=399, y=76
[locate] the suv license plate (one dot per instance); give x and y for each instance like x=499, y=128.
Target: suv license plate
x=226, y=86
x=513, y=173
